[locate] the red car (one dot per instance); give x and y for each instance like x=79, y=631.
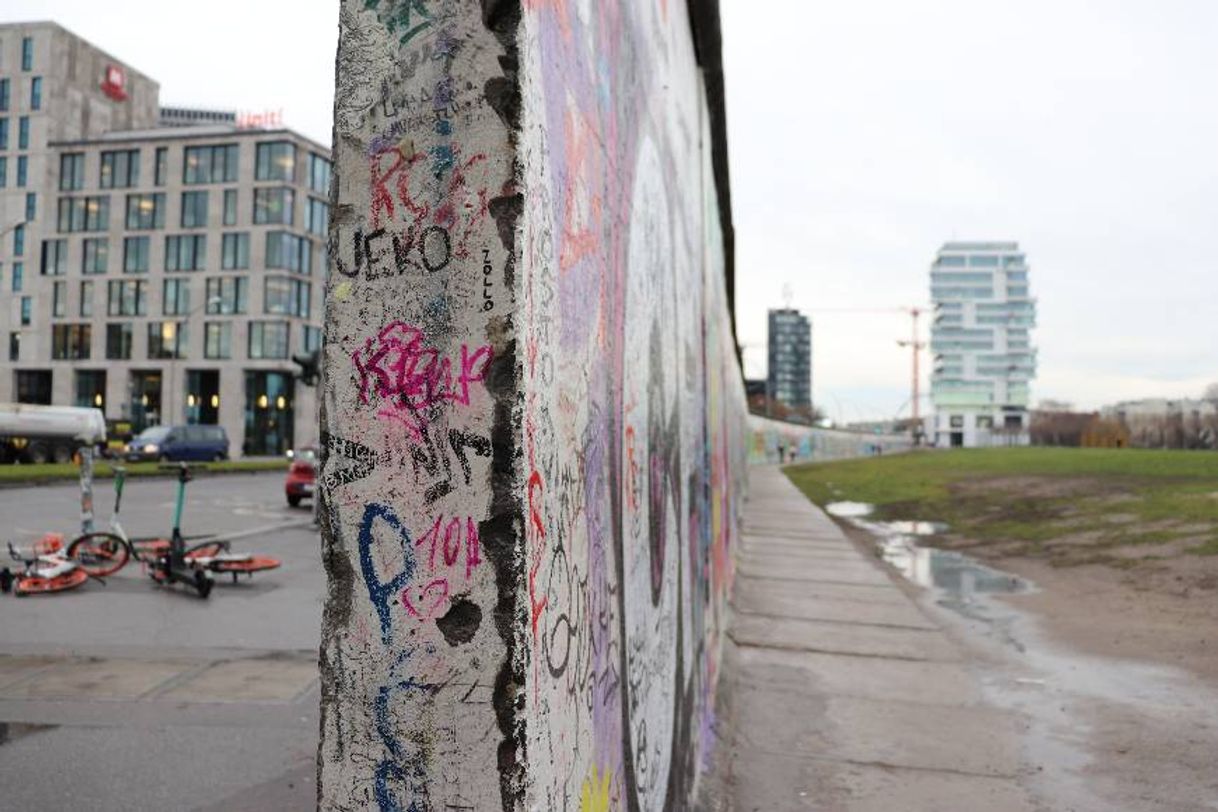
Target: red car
x=301, y=475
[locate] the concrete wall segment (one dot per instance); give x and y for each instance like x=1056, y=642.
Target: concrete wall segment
x=533, y=417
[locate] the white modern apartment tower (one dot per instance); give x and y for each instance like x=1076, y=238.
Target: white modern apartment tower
x=980, y=342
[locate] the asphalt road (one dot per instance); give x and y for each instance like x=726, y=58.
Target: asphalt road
x=134, y=697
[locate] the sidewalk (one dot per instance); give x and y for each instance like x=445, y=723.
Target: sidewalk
x=837, y=692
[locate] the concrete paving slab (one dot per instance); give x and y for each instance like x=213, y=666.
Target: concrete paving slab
x=971, y=740
x=811, y=607
x=781, y=781
x=17, y=668
x=97, y=679
x=865, y=593
x=926, y=682
x=838, y=573
x=252, y=680
x=842, y=638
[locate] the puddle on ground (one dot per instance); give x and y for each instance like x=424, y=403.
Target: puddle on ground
x=957, y=575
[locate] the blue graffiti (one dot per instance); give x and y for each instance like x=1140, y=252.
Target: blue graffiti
x=383, y=593
x=391, y=769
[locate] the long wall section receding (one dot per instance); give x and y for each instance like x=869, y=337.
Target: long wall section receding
x=533, y=418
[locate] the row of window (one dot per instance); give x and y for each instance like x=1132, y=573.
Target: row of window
x=980, y=261
x=266, y=340
x=35, y=93
x=273, y=205
x=23, y=132
x=183, y=252
x=281, y=296
x=23, y=171
x=209, y=163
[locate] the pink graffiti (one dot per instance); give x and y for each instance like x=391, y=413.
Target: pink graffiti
x=397, y=366
x=441, y=562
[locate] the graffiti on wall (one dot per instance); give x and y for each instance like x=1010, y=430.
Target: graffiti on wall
x=534, y=424
x=633, y=412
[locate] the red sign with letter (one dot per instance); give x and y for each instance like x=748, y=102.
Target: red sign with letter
x=114, y=84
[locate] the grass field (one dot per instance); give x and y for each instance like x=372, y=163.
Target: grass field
x=33, y=474
x=1067, y=505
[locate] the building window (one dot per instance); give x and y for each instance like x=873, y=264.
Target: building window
x=84, y=214
x=96, y=255
x=34, y=386
x=23, y=132
x=227, y=295
x=3, y=133
x=236, y=251
x=312, y=339
x=36, y=93
x=210, y=164
x=135, y=255
x=194, y=209
x=23, y=170
x=19, y=241
x=168, y=339
x=319, y=174
x=230, y=207
x=118, y=341
x=175, y=299
x=288, y=252
x=317, y=217
x=86, y=299
x=59, y=300
x=273, y=205
x=275, y=160
x=91, y=388
x=146, y=211
x=54, y=257
x=217, y=339
x=18, y=276
x=71, y=342
x=71, y=171
x=162, y=165
x=127, y=298
x=284, y=296
x=27, y=53
x=27, y=308
x=31, y=205
x=120, y=169
x=14, y=346
x=4, y=94
x=185, y=252
x=3, y=172
x=268, y=339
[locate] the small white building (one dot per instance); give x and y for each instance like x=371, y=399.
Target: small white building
x=983, y=359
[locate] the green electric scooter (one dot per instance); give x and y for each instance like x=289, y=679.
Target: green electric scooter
x=172, y=566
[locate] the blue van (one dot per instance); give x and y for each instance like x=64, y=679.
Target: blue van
x=177, y=443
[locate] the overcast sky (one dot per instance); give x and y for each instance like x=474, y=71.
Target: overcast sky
x=863, y=134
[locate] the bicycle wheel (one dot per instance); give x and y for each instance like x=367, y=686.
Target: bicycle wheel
x=99, y=554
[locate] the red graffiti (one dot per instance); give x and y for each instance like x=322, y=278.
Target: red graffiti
x=536, y=606
x=459, y=190
x=399, y=367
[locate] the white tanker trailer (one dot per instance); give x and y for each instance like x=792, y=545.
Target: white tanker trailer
x=38, y=434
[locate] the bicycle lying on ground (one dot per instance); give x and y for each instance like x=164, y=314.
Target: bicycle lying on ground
x=167, y=560
x=45, y=569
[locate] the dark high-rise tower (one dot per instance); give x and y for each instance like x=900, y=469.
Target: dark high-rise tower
x=789, y=380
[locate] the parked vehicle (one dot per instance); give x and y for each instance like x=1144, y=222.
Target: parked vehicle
x=39, y=434
x=179, y=443
x=302, y=474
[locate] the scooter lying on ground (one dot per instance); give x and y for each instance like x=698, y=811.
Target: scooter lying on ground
x=45, y=569
x=104, y=553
